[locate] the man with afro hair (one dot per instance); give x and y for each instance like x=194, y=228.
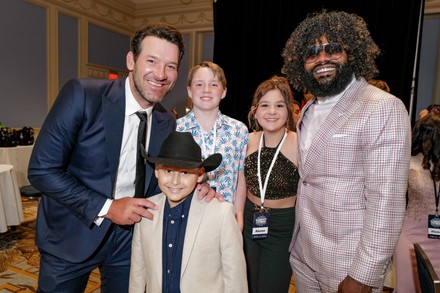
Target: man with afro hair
x=354, y=145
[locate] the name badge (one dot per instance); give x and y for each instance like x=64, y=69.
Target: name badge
x=434, y=226
x=260, y=226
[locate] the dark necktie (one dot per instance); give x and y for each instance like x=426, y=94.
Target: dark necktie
x=140, y=161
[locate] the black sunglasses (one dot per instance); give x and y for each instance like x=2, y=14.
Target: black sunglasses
x=333, y=50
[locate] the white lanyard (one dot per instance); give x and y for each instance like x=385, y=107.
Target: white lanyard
x=206, y=152
x=263, y=188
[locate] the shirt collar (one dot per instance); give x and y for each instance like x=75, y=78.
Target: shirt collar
x=131, y=106
x=218, y=123
x=180, y=209
x=324, y=100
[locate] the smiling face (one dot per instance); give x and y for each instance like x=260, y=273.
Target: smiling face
x=272, y=112
x=154, y=73
x=206, y=90
x=325, y=75
x=177, y=183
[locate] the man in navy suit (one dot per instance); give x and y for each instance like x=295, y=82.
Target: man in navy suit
x=84, y=162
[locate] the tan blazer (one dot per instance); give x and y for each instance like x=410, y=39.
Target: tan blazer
x=351, y=196
x=213, y=259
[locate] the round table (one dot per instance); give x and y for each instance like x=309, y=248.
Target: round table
x=11, y=209
x=18, y=157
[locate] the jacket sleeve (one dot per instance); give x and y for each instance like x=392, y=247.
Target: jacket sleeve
x=137, y=267
x=386, y=168
x=232, y=256
x=61, y=151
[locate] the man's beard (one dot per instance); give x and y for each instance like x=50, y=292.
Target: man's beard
x=143, y=94
x=323, y=87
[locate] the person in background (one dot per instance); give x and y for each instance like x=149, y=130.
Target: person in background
x=423, y=191
x=296, y=113
x=379, y=84
x=307, y=97
x=429, y=109
x=215, y=132
x=197, y=246
x=354, y=151
x=272, y=179
x=84, y=163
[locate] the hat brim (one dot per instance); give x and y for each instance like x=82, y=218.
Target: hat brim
x=209, y=164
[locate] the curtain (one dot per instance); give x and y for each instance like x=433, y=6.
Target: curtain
x=250, y=35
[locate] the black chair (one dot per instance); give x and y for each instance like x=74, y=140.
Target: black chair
x=30, y=192
x=428, y=279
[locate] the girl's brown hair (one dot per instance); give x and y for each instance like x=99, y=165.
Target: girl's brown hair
x=274, y=83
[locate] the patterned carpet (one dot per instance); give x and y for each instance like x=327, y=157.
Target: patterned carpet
x=19, y=257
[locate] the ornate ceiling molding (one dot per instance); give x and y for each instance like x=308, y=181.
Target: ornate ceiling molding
x=179, y=13
x=181, y=21
x=129, y=16
x=111, y=13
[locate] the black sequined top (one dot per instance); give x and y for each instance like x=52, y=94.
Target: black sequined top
x=283, y=181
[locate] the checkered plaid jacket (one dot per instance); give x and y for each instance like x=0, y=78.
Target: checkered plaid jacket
x=351, y=196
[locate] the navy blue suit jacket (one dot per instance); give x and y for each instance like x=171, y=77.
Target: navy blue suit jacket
x=75, y=160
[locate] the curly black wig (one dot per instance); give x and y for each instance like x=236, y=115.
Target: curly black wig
x=349, y=30
x=426, y=140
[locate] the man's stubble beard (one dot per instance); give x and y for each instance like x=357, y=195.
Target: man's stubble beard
x=143, y=95
x=324, y=86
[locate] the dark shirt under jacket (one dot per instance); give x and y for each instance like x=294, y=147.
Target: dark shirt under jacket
x=174, y=227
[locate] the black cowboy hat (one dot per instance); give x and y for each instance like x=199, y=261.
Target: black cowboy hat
x=180, y=149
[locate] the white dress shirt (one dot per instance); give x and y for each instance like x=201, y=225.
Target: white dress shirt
x=315, y=116
x=124, y=185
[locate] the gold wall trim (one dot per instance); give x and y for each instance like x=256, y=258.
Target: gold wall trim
x=99, y=71
x=52, y=55
x=113, y=13
x=127, y=17
x=180, y=21
x=432, y=7
x=83, y=47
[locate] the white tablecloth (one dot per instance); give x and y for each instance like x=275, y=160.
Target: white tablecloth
x=19, y=158
x=11, y=209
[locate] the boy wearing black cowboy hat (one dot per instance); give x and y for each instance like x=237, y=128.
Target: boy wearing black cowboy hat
x=190, y=245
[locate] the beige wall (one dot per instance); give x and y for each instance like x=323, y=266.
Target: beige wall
x=193, y=17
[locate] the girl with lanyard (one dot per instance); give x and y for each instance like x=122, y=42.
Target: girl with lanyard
x=422, y=222
x=272, y=177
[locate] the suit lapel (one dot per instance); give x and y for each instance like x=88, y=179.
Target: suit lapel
x=155, y=238
x=196, y=212
x=159, y=130
x=160, y=124
x=339, y=115
x=113, y=114
x=300, y=136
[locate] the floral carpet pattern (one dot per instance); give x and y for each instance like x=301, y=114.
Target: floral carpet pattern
x=19, y=257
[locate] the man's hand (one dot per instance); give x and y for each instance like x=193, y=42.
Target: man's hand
x=207, y=193
x=127, y=210
x=350, y=285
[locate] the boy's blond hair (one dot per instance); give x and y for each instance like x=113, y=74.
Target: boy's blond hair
x=218, y=71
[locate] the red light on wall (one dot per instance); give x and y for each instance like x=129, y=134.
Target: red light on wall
x=113, y=75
